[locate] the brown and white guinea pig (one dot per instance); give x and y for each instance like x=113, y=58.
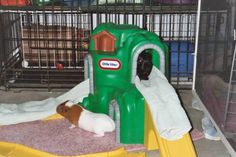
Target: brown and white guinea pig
x=93, y=122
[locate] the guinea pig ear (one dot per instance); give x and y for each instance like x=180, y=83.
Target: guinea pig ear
x=64, y=103
x=59, y=108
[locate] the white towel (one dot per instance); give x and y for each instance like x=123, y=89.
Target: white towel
x=76, y=94
x=36, y=110
x=168, y=115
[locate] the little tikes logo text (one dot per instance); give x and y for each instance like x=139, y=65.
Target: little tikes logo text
x=109, y=64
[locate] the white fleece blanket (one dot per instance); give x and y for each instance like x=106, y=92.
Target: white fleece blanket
x=36, y=110
x=168, y=115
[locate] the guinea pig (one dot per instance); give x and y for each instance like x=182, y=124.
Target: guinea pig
x=80, y=117
x=144, y=65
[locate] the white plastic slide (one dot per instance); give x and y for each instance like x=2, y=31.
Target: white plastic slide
x=36, y=110
x=168, y=115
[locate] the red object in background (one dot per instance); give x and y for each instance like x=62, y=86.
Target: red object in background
x=60, y=65
x=18, y=3
x=83, y=37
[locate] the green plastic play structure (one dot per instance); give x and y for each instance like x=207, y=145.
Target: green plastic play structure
x=111, y=67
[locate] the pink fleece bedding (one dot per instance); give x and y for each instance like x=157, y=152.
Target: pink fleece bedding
x=55, y=137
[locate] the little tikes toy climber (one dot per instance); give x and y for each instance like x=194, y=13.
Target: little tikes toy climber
x=114, y=50
x=112, y=67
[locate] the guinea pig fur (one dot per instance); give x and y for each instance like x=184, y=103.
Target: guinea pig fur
x=93, y=122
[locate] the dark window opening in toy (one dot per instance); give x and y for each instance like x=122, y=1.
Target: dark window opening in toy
x=144, y=65
x=104, y=41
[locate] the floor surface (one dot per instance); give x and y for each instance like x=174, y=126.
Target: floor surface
x=204, y=147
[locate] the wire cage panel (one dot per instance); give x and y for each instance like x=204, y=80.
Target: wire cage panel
x=213, y=40
x=178, y=32
x=173, y=26
x=49, y=39
x=10, y=28
x=215, y=76
x=55, y=43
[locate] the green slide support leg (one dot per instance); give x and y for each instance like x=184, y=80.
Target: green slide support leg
x=131, y=105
